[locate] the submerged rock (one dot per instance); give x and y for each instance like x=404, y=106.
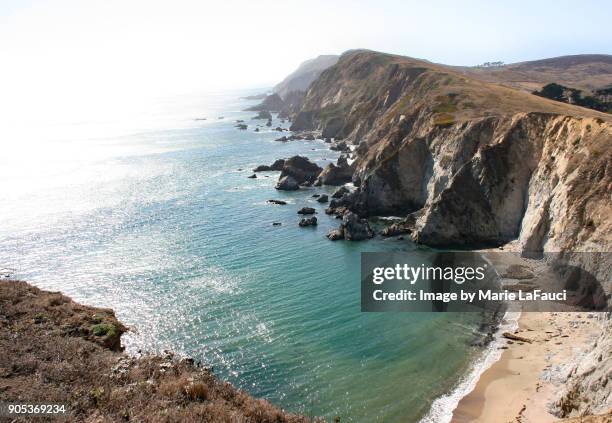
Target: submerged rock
x=323, y=198
x=277, y=202
x=253, y=176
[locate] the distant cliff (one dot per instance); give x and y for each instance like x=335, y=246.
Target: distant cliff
x=469, y=163
x=302, y=77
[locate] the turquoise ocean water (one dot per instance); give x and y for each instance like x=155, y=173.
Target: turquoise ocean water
x=156, y=219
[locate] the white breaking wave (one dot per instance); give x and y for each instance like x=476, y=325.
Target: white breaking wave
x=442, y=409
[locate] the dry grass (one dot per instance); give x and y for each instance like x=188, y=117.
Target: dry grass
x=55, y=350
x=584, y=72
x=444, y=119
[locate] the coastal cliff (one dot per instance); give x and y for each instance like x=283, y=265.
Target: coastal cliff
x=466, y=162
x=57, y=351
x=585, y=388
x=302, y=77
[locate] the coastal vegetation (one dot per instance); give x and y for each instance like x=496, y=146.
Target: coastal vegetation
x=57, y=351
x=601, y=99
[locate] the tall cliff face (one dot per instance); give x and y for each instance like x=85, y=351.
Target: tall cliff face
x=473, y=163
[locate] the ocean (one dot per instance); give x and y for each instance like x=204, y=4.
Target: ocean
x=154, y=216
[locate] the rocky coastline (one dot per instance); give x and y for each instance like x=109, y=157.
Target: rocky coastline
x=467, y=165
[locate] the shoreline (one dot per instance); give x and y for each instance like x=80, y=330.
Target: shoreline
x=521, y=384
x=442, y=409
x=513, y=381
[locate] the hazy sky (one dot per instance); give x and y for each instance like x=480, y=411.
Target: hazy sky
x=77, y=52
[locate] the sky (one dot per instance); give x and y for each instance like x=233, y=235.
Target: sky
x=77, y=57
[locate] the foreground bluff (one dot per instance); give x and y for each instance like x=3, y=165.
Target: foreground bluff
x=471, y=163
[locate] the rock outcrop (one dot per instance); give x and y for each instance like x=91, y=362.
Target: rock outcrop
x=287, y=183
x=308, y=221
x=352, y=228
x=355, y=228
x=335, y=234
x=306, y=210
x=340, y=192
x=336, y=174
x=399, y=228
x=301, y=170
x=277, y=165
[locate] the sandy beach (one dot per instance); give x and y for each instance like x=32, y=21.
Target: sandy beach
x=519, y=387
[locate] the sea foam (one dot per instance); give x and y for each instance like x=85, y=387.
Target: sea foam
x=442, y=409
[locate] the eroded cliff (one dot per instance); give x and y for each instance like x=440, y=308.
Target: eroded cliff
x=468, y=163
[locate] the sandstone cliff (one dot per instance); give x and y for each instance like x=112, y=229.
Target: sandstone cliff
x=471, y=163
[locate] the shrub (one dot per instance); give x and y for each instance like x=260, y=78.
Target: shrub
x=104, y=329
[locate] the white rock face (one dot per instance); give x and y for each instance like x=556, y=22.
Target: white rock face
x=588, y=388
